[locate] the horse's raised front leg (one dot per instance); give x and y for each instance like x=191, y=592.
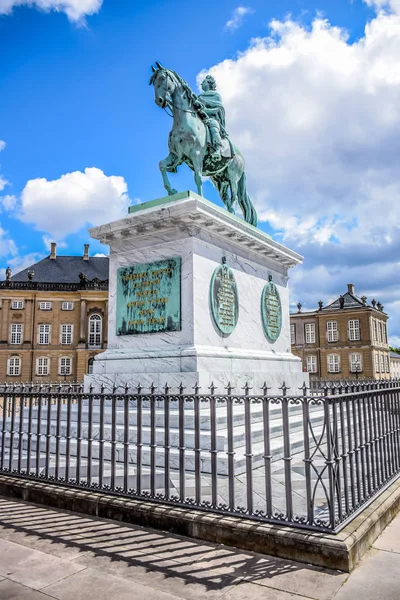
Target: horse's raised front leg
x=168, y=164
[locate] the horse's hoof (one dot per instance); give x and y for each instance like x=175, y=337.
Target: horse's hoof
x=172, y=192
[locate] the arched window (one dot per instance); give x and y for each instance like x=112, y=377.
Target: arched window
x=90, y=365
x=95, y=327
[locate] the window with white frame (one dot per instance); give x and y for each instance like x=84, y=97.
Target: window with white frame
x=377, y=364
x=385, y=340
x=333, y=363
x=355, y=360
x=44, y=305
x=311, y=362
x=65, y=365
x=292, y=334
x=14, y=365
x=67, y=306
x=42, y=365
x=16, y=333
x=387, y=364
x=90, y=365
x=380, y=331
x=95, y=327
x=310, y=333
x=66, y=334
x=375, y=330
x=354, y=329
x=382, y=362
x=44, y=333
x=17, y=304
x=332, y=334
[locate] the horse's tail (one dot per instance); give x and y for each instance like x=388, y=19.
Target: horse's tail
x=249, y=212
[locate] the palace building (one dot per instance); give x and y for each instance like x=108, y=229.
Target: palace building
x=345, y=340
x=53, y=318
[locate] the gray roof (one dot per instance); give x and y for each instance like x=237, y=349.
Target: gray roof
x=394, y=355
x=350, y=301
x=65, y=269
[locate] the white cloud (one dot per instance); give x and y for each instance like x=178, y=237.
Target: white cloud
x=2, y=143
x=19, y=263
x=237, y=17
x=392, y=5
x=47, y=240
x=73, y=202
x=9, y=201
x=76, y=10
x=317, y=118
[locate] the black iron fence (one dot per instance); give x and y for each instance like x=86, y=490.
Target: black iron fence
x=308, y=460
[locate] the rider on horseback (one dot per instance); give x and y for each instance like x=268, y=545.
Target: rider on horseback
x=212, y=112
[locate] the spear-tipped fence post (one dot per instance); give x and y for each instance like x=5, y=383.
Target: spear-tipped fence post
x=287, y=457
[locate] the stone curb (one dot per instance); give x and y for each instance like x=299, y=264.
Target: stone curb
x=341, y=551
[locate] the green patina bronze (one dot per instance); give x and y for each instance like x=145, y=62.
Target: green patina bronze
x=224, y=299
x=271, y=311
x=198, y=138
x=149, y=297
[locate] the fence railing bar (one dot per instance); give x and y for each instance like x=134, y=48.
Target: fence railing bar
x=167, y=445
x=213, y=450
x=197, y=447
x=126, y=438
x=267, y=451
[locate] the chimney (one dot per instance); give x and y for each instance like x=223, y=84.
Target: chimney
x=350, y=288
x=86, y=252
x=53, y=252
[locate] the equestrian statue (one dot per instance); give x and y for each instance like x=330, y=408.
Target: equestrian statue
x=198, y=138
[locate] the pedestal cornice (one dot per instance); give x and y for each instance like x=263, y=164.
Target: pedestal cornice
x=192, y=214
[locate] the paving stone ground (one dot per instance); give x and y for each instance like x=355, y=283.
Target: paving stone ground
x=53, y=554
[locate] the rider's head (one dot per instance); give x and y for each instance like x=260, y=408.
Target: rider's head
x=209, y=83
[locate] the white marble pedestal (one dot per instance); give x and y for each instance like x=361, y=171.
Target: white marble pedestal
x=188, y=226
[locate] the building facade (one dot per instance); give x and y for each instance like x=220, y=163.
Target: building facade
x=345, y=340
x=395, y=365
x=53, y=318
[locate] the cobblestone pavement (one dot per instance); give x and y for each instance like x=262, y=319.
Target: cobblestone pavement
x=47, y=553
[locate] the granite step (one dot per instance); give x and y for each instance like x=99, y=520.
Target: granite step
x=239, y=433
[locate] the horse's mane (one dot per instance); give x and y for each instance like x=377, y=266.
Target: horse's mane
x=192, y=97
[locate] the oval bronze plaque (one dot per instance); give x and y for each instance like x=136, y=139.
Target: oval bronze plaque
x=271, y=311
x=224, y=299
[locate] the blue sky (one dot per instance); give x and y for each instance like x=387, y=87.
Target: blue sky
x=312, y=95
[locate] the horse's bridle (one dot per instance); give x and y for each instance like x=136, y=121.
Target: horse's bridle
x=169, y=103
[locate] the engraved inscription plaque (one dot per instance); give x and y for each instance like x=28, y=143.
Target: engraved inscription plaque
x=271, y=311
x=149, y=297
x=224, y=299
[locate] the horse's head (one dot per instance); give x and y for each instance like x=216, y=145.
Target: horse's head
x=164, y=84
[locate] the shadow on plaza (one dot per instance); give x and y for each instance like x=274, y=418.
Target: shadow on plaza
x=131, y=552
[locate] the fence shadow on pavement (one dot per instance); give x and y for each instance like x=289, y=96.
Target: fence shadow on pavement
x=131, y=552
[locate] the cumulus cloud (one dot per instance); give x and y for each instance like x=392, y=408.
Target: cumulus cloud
x=237, y=18
x=317, y=118
x=76, y=10
x=73, y=202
